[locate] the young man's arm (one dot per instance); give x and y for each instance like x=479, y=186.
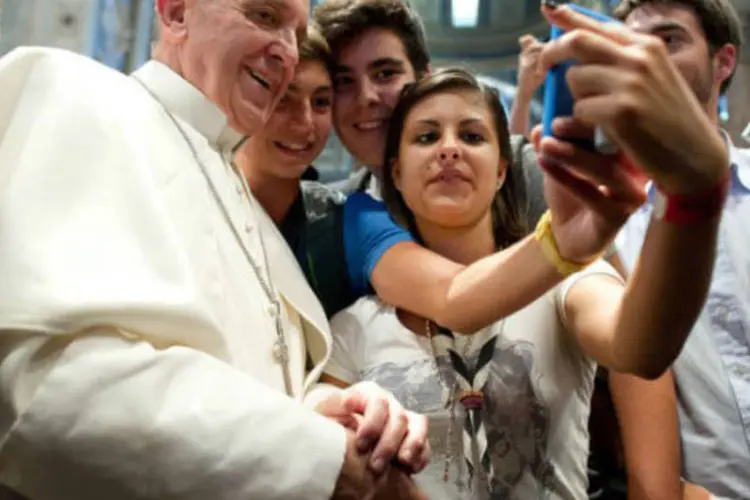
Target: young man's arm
x=684, y=154
x=518, y=121
x=530, y=77
x=463, y=298
x=409, y=276
x=642, y=327
x=647, y=415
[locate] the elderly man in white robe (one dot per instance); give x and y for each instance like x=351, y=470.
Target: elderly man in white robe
x=157, y=337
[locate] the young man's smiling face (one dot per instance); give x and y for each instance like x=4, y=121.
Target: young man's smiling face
x=370, y=71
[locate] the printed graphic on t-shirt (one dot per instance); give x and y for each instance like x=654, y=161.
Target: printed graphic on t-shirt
x=515, y=418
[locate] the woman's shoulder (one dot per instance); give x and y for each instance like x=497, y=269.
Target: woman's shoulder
x=600, y=269
x=554, y=300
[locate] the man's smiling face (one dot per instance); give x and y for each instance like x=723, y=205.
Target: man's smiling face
x=370, y=72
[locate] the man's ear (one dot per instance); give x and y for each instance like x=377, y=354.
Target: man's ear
x=725, y=62
x=172, y=18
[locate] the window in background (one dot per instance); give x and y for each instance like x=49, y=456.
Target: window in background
x=334, y=163
x=431, y=11
x=465, y=13
x=604, y=6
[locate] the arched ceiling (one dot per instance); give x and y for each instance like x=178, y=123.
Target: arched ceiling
x=500, y=23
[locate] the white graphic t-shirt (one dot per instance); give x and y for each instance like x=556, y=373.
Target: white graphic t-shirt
x=528, y=437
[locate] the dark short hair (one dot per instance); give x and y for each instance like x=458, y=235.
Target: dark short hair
x=314, y=47
x=509, y=224
x=341, y=21
x=718, y=18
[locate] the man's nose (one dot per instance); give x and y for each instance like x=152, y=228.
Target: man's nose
x=302, y=117
x=285, y=49
x=368, y=92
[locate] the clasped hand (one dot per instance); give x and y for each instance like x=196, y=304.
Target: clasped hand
x=380, y=432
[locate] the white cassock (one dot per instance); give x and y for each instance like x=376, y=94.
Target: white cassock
x=135, y=340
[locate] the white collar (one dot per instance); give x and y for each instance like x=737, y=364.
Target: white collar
x=373, y=187
x=189, y=105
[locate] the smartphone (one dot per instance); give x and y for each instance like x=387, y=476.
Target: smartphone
x=557, y=98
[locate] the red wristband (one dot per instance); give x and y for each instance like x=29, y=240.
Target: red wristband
x=692, y=208
x=160, y=5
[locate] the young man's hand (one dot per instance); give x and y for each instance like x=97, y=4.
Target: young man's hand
x=626, y=83
x=530, y=77
x=530, y=72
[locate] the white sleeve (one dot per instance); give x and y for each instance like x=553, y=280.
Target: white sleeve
x=346, y=359
x=120, y=420
x=598, y=268
x=101, y=397
x=348, y=330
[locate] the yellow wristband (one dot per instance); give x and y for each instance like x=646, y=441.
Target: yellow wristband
x=546, y=239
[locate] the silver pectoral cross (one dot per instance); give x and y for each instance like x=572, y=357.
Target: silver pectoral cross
x=281, y=355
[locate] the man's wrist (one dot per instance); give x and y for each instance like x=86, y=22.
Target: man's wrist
x=710, y=169
x=694, y=207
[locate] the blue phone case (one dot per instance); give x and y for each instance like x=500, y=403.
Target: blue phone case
x=557, y=98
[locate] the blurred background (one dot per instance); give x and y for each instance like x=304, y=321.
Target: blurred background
x=479, y=34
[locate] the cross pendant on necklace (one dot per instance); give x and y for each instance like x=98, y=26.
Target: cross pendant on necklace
x=281, y=355
x=280, y=352
x=280, y=349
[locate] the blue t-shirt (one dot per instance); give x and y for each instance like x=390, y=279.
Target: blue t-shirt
x=369, y=231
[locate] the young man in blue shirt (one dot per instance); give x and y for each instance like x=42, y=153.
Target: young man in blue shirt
x=378, y=47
